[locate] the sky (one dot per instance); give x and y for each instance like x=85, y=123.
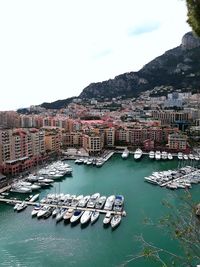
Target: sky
x=52, y=50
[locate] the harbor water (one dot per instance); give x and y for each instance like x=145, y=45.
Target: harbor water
x=29, y=242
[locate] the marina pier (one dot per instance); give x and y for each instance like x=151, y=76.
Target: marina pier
x=15, y=201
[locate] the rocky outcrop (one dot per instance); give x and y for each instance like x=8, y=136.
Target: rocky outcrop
x=190, y=41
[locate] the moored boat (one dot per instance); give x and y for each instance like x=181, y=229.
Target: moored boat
x=107, y=218
x=68, y=214
x=86, y=216
x=94, y=216
x=170, y=157
x=109, y=202
x=138, y=154
x=115, y=221
x=100, y=202
x=35, y=197
x=151, y=154
x=76, y=216
x=21, y=206
x=125, y=154
x=35, y=210
x=157, y=155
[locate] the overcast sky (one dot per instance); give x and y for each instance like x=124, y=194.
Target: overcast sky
x=51, y=50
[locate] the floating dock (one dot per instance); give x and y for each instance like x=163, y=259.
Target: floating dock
x=15, y=201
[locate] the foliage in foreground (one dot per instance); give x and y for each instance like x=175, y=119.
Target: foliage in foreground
x=183, y=225
x=193, y=7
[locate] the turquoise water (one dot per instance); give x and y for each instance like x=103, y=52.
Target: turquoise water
x=26, y=241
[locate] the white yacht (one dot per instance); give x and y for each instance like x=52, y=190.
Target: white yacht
x=180, y=155
x=21, y=206
x=55, y=212
x=68, y=214
x=185, y=157
x=151, y=154
x=118, y=203
x=90, y=161
x=109, y=202
x=151, y=180
x=82, y=203
x=35, y=210
x=138, y=154
x=99, y=162
x=100, y=203
x=16, y=206
x=86, y=216
x=164, y=155
x=17, y=188
x=191, y=156
x=60, y=215
x=94, y=216
x=35, y=197
x=76, y=216
x=42, y=211
x=158, y=155
x=107, y=218
x=93, y=199
x=125, y=154
x=115, y=221
x=170, y=157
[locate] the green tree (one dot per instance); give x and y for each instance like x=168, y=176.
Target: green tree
x=193, y=7
x=183, y=225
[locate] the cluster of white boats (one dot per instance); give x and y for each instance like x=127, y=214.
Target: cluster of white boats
x=175, y=179
x=78, y=208
x=164, y=155
x=158, y=155
x=44, y=178
x=137, y=154
x=94, y=161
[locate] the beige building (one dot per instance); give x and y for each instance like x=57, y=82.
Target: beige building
x=93, y=143
x=52, y=142
x=72, y=139
x=110, y=137
x=177, y=141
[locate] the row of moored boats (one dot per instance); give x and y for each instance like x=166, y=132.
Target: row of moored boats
x=94, y=161
x=175, y=179
x=158, y=155
x=81, y=208
x=164, y=155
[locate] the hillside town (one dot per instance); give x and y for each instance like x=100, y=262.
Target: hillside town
x=166, y=123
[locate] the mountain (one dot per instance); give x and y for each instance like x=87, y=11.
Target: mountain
x=178, y=68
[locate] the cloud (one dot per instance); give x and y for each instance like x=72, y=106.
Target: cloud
x=144, y=28
x=102, y=53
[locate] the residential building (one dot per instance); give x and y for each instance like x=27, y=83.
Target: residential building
x=177, y=142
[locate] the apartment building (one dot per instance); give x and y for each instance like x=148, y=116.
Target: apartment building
x=20, y=149
x=93, y=143
x=168, y=117
x=177, y=142
x=53, y=141
x=109, y=137
x=72, y=139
